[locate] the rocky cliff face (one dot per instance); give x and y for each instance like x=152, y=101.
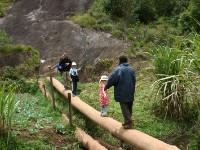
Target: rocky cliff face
x=42, y=24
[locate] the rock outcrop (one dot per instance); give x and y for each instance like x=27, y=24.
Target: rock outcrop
x=42, y=24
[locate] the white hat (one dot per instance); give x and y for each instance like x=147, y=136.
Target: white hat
x=105, y=78
x=73, y=64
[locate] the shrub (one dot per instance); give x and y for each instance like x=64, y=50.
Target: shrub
x=119, y=8
x=10, y=73
x=25, y=67
x=144, y=12
x=2, y=10
x=7, y=108
x=171, y=81
x=85, y=20
x=4, y=39
x=190, y=19
x=103, y=64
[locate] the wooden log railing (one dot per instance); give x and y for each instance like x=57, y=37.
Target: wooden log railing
x=134, y=137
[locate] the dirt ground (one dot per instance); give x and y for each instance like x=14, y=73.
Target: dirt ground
x=51, y=136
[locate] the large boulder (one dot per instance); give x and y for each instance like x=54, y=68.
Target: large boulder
x=42, y=24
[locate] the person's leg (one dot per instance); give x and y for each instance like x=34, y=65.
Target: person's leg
x=126, y=109
x=75, y=88
x=67, y=76
x=104, y=111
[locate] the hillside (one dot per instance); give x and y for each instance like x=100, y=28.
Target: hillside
x=42, y=25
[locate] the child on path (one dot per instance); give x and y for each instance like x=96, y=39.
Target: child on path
x=74, y=78
x=104, y=98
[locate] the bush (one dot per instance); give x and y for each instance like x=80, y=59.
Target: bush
x=144, y=12
x=103, y=65
x=10, y=73
x=85, y=20
x=25, y=67
x=119, y=8
x=4, y=39
x=190, y=19
x=2, y=10
x=171, y=81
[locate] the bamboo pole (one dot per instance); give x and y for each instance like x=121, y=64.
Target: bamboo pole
x=134, y=137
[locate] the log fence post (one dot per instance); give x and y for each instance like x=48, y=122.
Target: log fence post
x=70, y=108
x=52, y=88
x=45, y=92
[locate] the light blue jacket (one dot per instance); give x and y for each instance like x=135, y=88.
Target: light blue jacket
x=123, y=79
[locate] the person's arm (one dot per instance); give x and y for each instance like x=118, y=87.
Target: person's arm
x=103, y=91
x=70, y=72
x=113, y=79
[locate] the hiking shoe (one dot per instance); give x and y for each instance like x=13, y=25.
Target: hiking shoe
x=127, y=123
x=104, y=115
x=123, y=124
x=128, y=126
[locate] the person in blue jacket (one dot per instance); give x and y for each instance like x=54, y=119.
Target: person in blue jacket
x=123, y=79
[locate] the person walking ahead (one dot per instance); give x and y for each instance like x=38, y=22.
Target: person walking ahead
x=66, y=64
x=123, y=79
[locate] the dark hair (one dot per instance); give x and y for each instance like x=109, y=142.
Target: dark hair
x=123, y=59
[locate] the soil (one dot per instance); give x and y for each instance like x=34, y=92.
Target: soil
x=52, y=137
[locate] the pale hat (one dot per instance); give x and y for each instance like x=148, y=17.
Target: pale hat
x=103, y=78
x=73, y=64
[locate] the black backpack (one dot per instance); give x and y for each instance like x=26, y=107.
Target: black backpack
x=60, y=66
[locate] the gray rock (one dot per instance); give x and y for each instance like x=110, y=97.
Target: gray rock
x=42, y=24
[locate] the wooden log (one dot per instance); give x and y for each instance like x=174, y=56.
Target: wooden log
x=82, y=137
x=134, y=137
x=47, y=94
x=87, y=141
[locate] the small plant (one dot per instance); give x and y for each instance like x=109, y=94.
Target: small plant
x=2, y=10
x=7, y=108
x=171, y=81
x=4, y=39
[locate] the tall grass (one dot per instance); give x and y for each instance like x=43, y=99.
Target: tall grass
x=172, y=76
x=7, y=108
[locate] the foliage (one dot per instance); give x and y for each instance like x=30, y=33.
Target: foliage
x=28, y=64
x=4, y=39
x=170, y=85
x=35, y=115
x=144, y=11
x=196, y=55
x=10, y=73
x=189, y=19
x=2, y=10
x=3, y=6
x=85, y=20
x=119, y=8
x=8, y=106
x=103, y=65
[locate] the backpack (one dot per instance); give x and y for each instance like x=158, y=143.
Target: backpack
x=60, y=66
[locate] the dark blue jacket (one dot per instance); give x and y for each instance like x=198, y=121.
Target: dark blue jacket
x=123, y=79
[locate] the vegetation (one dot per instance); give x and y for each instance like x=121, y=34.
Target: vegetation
x=170, y=113
x=4, y=39
x=4, y=5
x=7, y=109
x=169, y=32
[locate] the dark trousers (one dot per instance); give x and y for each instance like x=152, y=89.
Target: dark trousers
x=74, y=87
x=126, y=109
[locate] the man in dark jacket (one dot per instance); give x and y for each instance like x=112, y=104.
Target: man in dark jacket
x=123, y=79
x=66, y=64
